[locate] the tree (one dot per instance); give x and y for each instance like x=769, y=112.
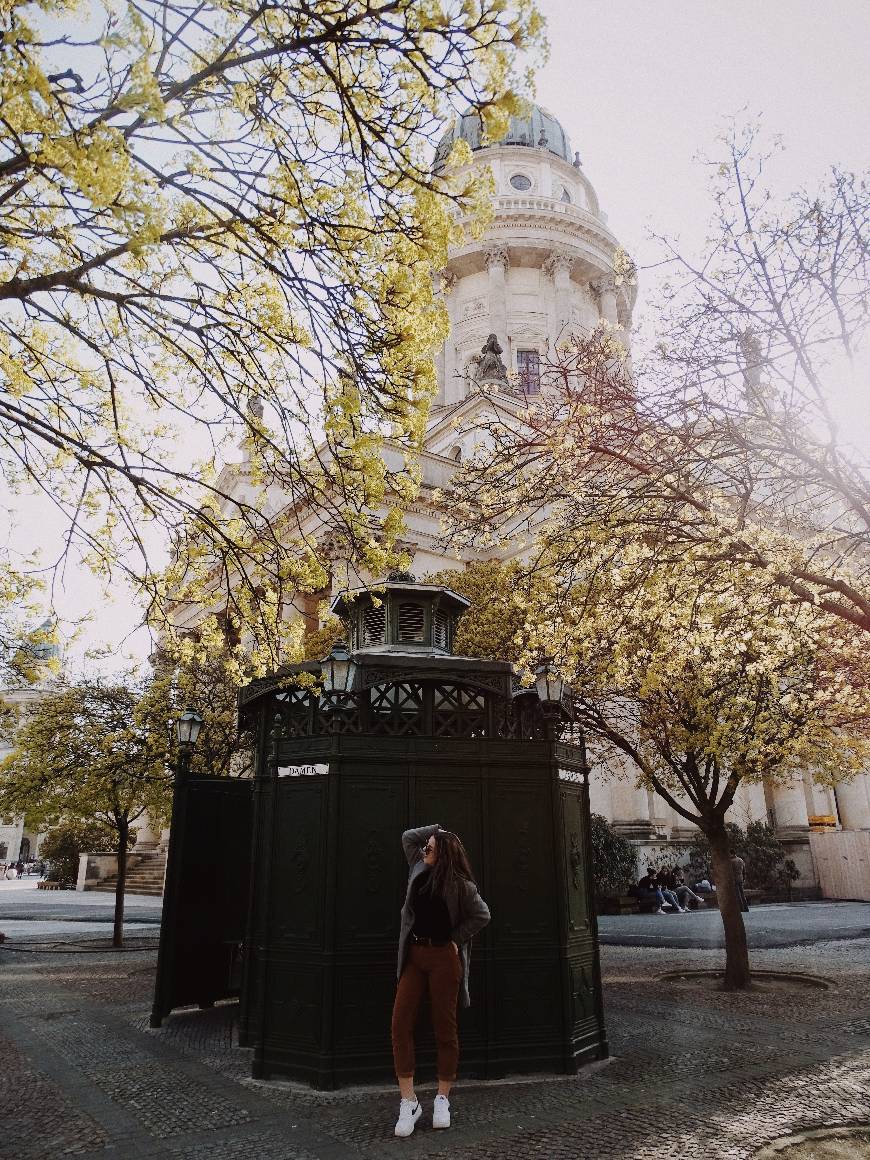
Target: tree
x=494, y=625
x=714, y=459
x=220, y=222
x=614, y=859
x=703, y=679
x=64, y=843
x=83, y=757
x=179, y=680
x=27, y=640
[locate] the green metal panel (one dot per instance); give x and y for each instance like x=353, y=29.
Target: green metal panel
x=423, y=738
x=206, y=895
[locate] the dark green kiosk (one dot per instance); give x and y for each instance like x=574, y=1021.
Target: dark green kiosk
x=403, y=733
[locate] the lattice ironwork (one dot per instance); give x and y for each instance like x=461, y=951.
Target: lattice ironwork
x=397, y=709
x=294, y=707
x=458, y=711
x=521, y=719
x=338, y=713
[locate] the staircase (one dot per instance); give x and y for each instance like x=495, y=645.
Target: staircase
x=145, y=874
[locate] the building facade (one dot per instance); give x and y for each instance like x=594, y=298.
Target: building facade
x=547, y=267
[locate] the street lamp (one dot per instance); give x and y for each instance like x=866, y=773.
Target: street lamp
x=187, y=728
x=338, y=669
x=550, y=686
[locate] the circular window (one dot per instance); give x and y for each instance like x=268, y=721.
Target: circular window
x=520, y=181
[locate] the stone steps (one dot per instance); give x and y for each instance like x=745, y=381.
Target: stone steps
x=145, y=874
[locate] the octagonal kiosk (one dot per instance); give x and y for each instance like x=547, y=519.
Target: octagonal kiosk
x=405, y=733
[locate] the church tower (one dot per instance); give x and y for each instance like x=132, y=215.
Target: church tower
x=543, y=270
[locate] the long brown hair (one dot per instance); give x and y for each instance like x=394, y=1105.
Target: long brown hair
x=451, y=865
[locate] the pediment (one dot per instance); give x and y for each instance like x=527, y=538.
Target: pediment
x=451, y=425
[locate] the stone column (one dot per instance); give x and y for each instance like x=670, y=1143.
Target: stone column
x=631, y=813
x=451, y=388
x=853, y=802
x=146, y=838
x=605, y=289
x=790, y=804
x=792, y=826
x=558, y=267
x=749, y=804
x=497, y=263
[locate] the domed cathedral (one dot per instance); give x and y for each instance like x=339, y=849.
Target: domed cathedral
x=543, y=270
x=545, y=266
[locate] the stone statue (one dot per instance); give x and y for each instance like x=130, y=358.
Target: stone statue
x=491, y=369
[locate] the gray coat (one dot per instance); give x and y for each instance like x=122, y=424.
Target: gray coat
x=468, y=912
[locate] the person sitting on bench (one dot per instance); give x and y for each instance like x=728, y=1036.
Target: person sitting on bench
x=674, y=881
x=649, y=890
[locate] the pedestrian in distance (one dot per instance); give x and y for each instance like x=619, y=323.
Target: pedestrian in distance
x=443, y=911
x=739, y=868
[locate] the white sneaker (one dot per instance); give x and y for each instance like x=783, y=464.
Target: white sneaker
x=659, y=911
x=441, y=1112
x=409, y=1113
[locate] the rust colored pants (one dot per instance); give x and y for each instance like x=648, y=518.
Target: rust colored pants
x=439, y=969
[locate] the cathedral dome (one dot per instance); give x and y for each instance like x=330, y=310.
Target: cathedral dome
x=538, y=129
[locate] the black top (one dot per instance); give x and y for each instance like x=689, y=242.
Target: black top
x=431, y=916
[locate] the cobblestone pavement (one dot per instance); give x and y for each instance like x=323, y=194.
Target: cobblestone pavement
x=695, y=1073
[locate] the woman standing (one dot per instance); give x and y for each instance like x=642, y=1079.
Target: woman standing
x=443, y=911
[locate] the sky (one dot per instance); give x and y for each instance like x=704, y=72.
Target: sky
x=642, y=89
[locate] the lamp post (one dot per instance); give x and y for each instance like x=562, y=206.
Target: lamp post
x=187, y=729
x=338, y=669
x=550, y=688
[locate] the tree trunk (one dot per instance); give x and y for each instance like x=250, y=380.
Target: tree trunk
x=737, y=976
x=118, y=931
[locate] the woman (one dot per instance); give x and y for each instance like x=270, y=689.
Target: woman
x=442, y=913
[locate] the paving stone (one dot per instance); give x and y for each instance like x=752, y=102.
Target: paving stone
x=696, y=1072
x=36, y=1117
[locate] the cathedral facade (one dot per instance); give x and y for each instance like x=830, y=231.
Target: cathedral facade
x=546, y=267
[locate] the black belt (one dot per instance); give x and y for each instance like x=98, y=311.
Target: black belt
x=422, y=941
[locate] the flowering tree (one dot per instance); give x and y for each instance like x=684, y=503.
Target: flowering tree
x=705, y=679
x=25, y=638
x=641, y=489
x=702, y=677
x=218, y=222
x=84, y=756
